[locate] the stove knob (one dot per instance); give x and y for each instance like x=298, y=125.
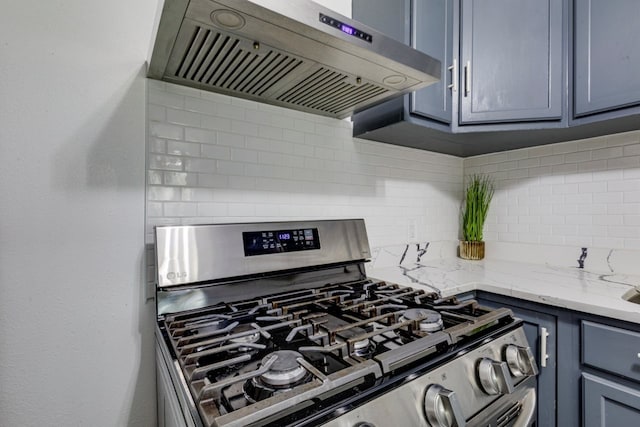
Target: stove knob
x=442, y=408
x=521, y=361
x=494, y=377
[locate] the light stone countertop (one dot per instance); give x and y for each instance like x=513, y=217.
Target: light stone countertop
x=566, y=287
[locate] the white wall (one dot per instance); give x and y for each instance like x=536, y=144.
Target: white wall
x=213, y=158
x=580, y=193
x=76, y=336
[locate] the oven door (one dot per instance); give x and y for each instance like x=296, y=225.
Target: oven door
x=517, y=409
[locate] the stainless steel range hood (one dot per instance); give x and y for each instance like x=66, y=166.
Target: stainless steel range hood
x=294, y=54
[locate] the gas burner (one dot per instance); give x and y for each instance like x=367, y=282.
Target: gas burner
x=283, y=374
x=240, y=335
x=364, y=348
x=429, y=320
x=285, y=371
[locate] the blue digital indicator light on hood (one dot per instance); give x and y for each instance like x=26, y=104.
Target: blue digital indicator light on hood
x=347, y=29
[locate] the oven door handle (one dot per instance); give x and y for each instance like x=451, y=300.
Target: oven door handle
x=528, y=409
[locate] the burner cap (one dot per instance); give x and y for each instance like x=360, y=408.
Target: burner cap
x=430, y=320
x=363, y=348
x=285, y=370
x=251, y=338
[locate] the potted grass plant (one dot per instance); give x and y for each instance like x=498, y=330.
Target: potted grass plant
x=478, y=194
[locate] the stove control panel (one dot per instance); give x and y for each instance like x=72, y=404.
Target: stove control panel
x=277, y=241
x=451, y=395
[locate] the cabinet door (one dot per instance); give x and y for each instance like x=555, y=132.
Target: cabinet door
x=607, y=55
x=432, y=33
x=607, y=403
x=511, y=60
x=540, y=329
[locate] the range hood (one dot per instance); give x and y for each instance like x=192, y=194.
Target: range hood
x=295, y=54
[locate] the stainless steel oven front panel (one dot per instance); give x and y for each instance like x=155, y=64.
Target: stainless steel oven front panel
x=404, y=406
x=203, y=253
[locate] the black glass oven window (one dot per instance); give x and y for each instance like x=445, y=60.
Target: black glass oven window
x=276, y=241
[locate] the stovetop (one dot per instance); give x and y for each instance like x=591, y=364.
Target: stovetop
x=266, y=356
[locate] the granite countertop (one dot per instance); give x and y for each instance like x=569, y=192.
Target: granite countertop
x=566, y=287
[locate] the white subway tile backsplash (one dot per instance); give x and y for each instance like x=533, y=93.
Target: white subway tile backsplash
x=608, y=219
x=212, y=209
x=199, y=165
x=631, y=197
x=179, y=148
x=589, y=192
x=213, y=158
x=157, y=193
x=216, y=123
x=165, y=162
x=270, y=132
x=230, y=168
x=564, y=169
x=230, y=139
x=552, y=160
x=213, y=180
x=565, y=147
x=180, y=178
x=578, y=157
x=164, y=130
x=200, y=135
x=216, y=152
x=157, y=113
x=230, y=112
x=181, y=117
x=154, y=209
x=263, y=144
x=157, y=145
x=159, y=96
x=244, y=128
x=591, y=144
x=154, y=177
x=624, y=162
x=304, y=125
x=201, y=106
x=179, y=209
x=606, y=153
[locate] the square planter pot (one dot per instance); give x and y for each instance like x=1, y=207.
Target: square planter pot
x=471, y=250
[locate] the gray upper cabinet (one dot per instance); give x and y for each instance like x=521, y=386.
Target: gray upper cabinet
x=511, y=60
x=607, y=55
x=432, y=33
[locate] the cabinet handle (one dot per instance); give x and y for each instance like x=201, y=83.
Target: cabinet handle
x=543, y=347
x=454, y=76
x=467, y=78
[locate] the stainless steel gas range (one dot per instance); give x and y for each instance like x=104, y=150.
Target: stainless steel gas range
x=278, y=324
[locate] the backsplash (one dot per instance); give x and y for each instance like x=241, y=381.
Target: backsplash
x=214, y=158
x=582, y=193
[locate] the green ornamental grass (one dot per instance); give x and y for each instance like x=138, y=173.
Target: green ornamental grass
x=479, y=193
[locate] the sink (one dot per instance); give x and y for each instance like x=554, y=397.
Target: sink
x=632, y=295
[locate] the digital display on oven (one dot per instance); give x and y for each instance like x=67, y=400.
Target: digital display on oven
x=277, y=241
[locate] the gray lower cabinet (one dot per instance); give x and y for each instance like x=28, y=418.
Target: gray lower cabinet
x=540, y=329
x=511, y=60
x=608, y=403
x=607, y=55
x=592, y=377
